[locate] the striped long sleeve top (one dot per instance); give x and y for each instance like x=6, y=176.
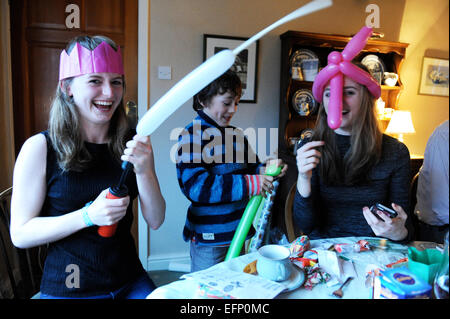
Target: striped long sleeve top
x=215, y=170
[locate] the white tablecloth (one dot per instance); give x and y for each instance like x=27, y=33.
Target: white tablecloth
x=356, y=289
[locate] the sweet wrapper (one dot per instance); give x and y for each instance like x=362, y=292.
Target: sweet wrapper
x=309, y=259
x=359, y=246
x=315, y=276
x=299, y=246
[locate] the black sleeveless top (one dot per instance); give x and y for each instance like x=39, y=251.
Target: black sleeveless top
x=104, y=264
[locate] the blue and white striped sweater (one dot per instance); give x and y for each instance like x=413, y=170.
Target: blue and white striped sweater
x=211, y=166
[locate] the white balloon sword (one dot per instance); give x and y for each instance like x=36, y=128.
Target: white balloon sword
x=208, y=71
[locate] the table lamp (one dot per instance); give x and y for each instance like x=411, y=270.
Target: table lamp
x=401, y=123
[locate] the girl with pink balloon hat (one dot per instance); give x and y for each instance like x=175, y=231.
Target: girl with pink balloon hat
x=349, y=165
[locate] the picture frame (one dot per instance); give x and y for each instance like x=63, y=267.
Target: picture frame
x=246, y=64
x=434, y=77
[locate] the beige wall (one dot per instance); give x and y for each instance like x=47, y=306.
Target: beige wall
x=177, y=28
x=425, y=26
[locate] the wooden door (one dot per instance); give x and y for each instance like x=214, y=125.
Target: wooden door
x=39, y=33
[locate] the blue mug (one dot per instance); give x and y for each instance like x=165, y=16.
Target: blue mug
x=273, y=262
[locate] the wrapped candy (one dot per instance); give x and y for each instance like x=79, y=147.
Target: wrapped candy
x=309, y=259
x=299, y=246
x=359, y=246
x=308, y=262
x=314, y=276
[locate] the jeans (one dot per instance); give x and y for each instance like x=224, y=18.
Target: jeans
x=203, y=257
x=138, y=289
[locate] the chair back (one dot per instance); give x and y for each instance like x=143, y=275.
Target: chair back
x=20, y=269
x=413, y=191
x=288, y=214
x=412, y=204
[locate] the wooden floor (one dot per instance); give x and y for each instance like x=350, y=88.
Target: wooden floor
x=163, y=277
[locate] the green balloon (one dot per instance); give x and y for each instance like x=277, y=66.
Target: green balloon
x=247, y=219
x=244, y=226
x=273, y=170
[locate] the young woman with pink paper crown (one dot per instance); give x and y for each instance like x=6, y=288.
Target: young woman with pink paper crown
x=62, y=176
x=349, y=165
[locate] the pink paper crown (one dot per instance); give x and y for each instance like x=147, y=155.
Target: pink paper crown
x=84, y=61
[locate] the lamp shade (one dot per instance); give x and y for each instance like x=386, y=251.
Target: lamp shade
x=401, y=123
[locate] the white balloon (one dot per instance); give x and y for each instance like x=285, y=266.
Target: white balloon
x=302, y=11
x=191, y=84
x=207, y=72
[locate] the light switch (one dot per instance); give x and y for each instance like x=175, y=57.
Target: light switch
x=164, y=73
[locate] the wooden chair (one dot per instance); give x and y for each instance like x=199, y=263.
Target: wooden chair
x=413, y=191
x=291, y=230
x=413, y=202
x=20, y=269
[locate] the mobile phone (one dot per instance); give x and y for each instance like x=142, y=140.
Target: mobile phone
x=305, y=136
x=383, y=209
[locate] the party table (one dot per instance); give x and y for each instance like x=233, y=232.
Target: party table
x=381, y=253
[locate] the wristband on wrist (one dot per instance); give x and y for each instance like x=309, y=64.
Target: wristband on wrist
x=85, y=215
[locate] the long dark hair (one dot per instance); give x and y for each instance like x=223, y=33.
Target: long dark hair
x=365, y=149
x=64, y=122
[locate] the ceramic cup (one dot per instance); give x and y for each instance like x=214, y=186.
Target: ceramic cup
x=273, y=262
x=390, y=79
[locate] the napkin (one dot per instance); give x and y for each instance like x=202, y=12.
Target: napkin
x=340, y=268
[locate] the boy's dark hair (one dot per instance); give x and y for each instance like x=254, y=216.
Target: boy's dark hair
x=227, y=82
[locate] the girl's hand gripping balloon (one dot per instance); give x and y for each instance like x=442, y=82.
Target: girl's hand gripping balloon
x=339, y=64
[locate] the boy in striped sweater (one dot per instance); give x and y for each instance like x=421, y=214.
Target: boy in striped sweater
x=217, y=171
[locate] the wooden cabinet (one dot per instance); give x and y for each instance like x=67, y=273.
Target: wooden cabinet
x=291, y=122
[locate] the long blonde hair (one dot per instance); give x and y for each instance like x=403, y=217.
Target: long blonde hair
x=365, y=149
x=64, y=121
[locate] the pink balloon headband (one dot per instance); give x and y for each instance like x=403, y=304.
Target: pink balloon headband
x=339, y=64
x=84, y=61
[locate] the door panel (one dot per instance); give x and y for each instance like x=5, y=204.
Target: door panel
x=39, y=33
x=47, y=14
x=112, y=22
x=42, y=91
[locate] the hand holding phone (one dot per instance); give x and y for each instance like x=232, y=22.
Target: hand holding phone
x=387, y=222
x=383, y=209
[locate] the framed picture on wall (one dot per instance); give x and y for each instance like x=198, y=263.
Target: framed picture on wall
x=434, y=78
x=245, y=65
